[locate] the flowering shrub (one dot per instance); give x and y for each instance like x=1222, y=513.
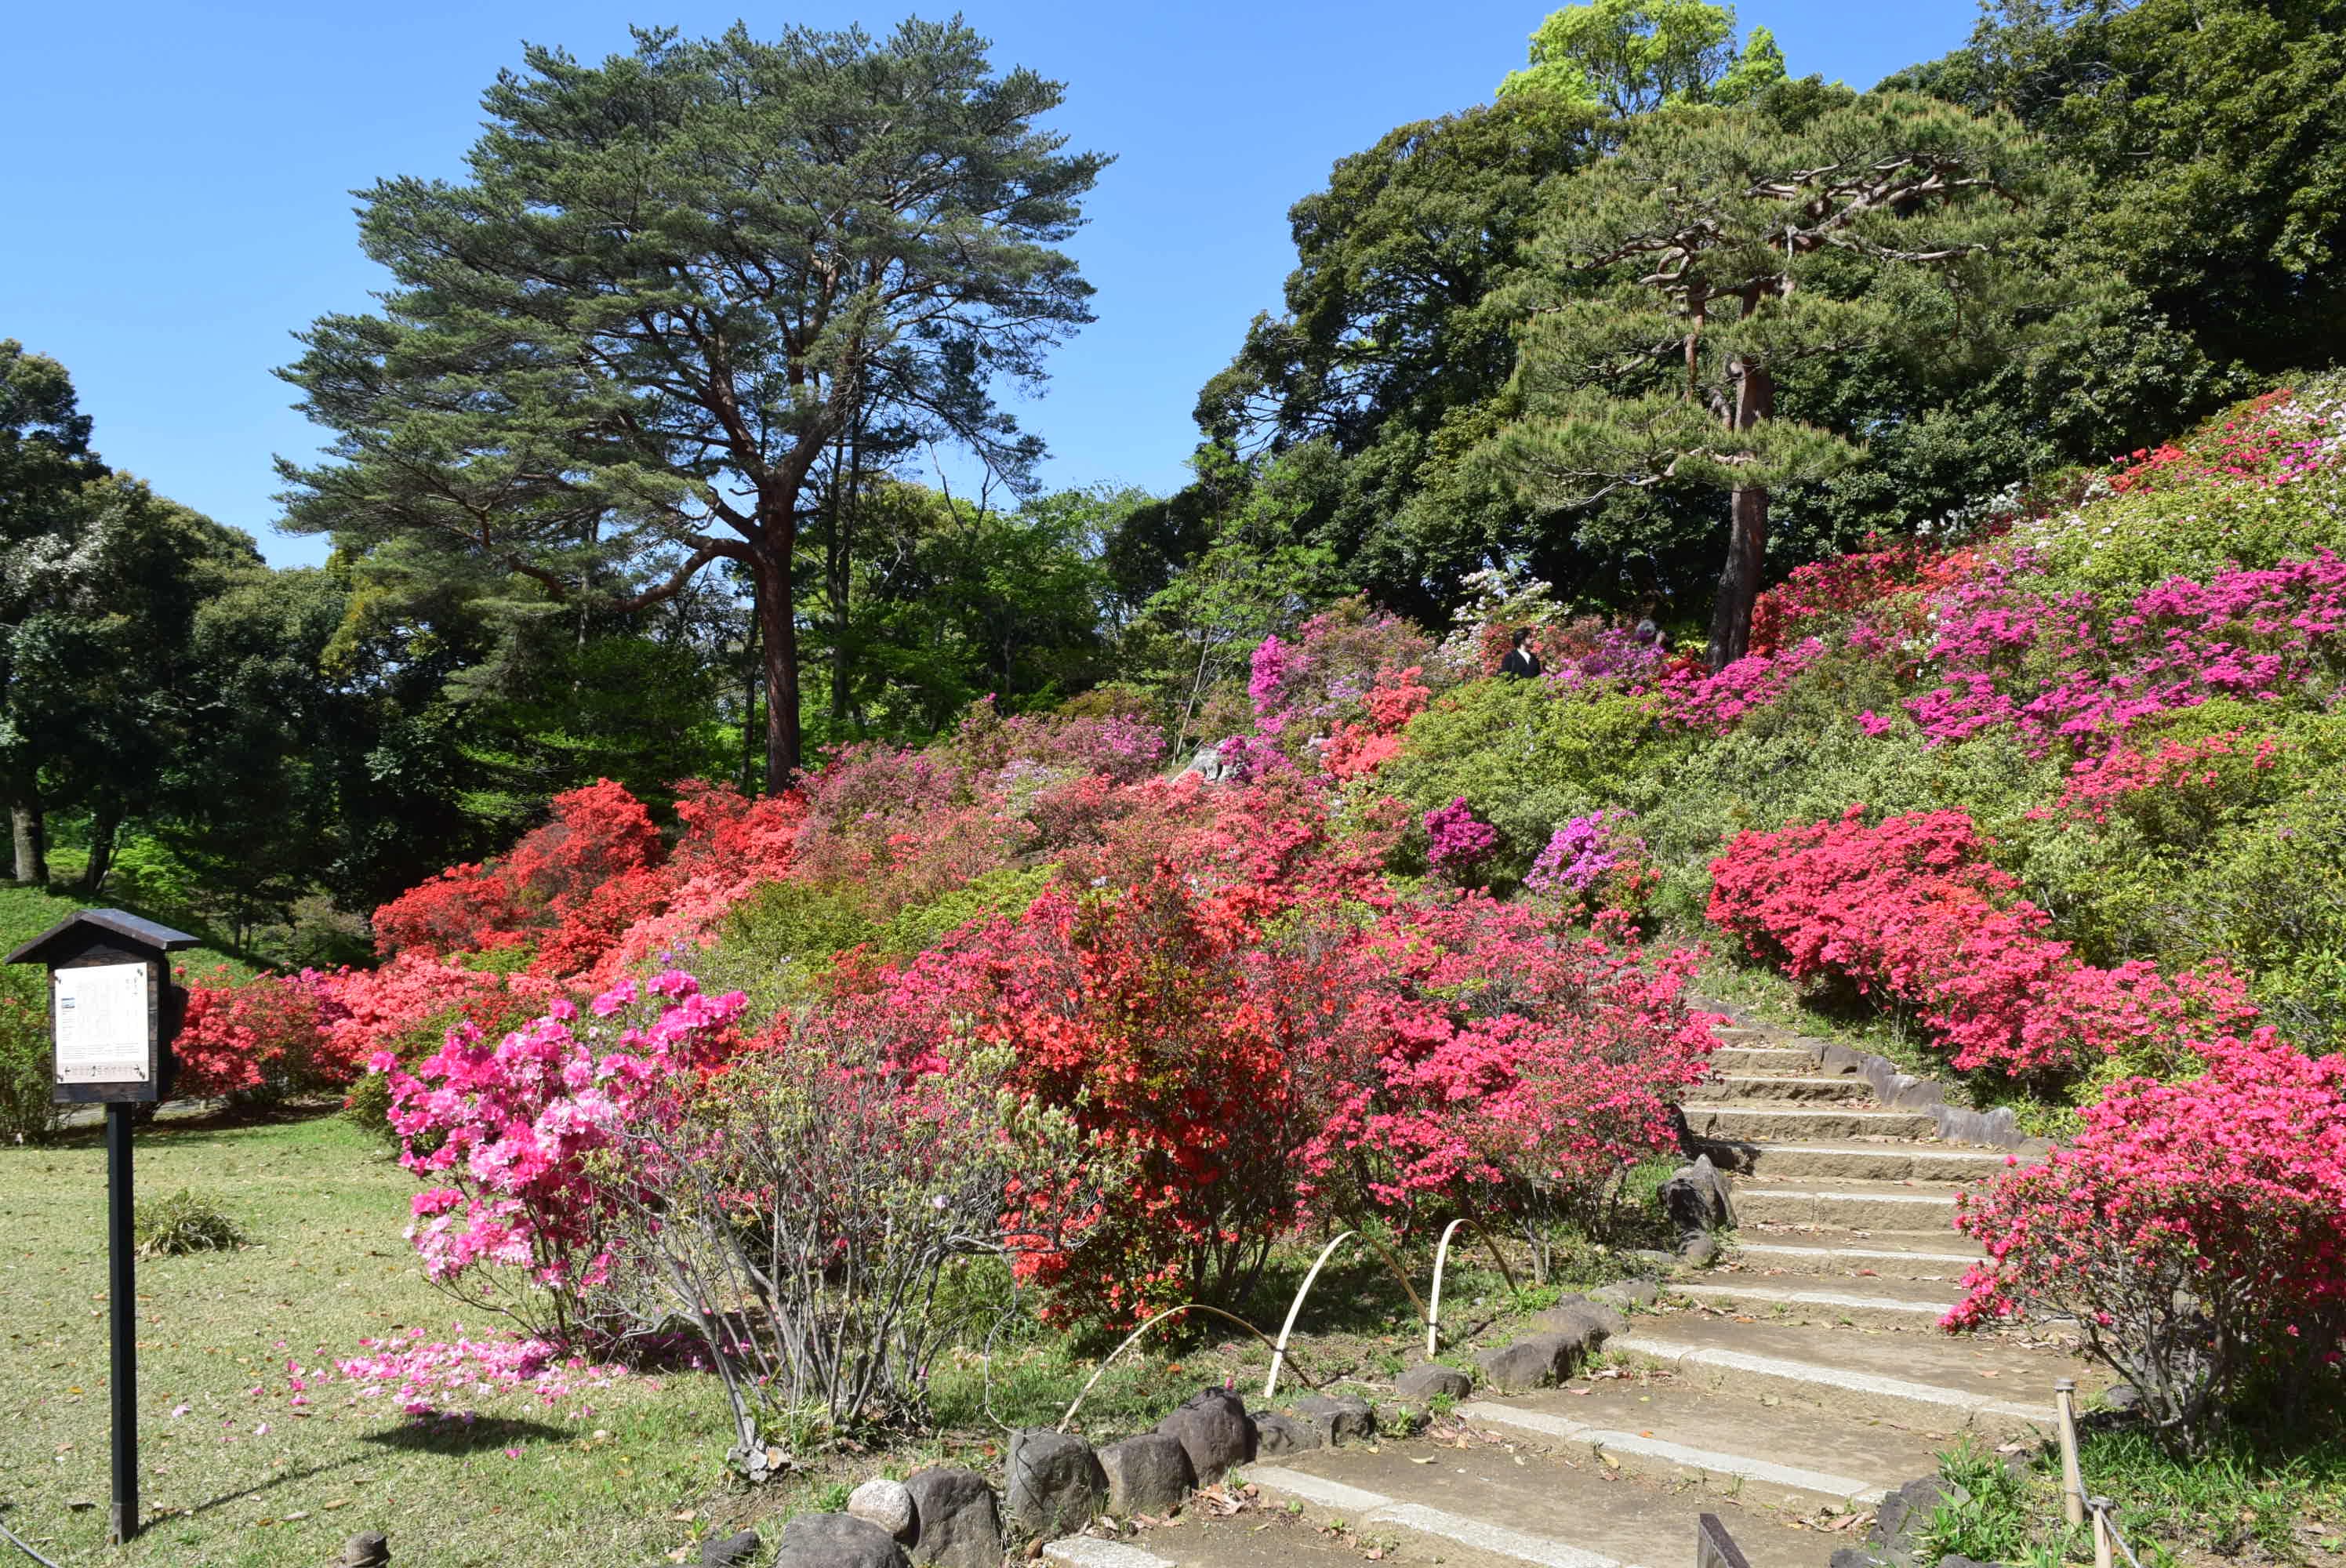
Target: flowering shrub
x=505, y=1130
x=1348, y=676
x=1462, y=1057
x=265, y=1035
x=1144, y=1017
x=1913, y=912
x=1455, y=842
x=1714, y=704
x=595, y=835
x=2196, y=1231
x=2016, y=658
x=1598, y=869
x=801, y=1221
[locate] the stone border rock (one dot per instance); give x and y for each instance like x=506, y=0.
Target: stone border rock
x=1057, y=1484
x=946, y=1516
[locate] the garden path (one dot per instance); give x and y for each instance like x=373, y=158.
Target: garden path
x=1786, y=1389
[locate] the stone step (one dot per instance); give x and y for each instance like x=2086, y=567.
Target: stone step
x=1266, y=1535
x=1872, y=1256
x=1556, y=1510
x=1925, y=1381
x=1846, y=1205
x=1899, y=1160
x=1777, y=1456
x=1744, y=1121
x=1875, y=1303
x=1810, y=1088
x=1789, y=1059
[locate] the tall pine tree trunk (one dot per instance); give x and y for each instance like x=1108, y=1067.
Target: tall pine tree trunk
x=1747, y=531
x=750, y=771
x=769, y=572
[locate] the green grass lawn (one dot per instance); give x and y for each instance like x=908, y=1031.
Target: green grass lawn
x=241, y=1478
x=236, y=1477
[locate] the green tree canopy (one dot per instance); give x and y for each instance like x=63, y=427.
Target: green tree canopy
x=627, y=344
x=45, y=461
x=2213, y=136
x=1624, y=57
x=1730, y=246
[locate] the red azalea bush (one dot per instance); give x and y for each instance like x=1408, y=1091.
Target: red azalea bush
x=1150, y=1016
x=2195, y=1230
x=1913, y=912
x=1418, y=1061
x=264, y=1035
x=595, y=835
x=1465, y=1058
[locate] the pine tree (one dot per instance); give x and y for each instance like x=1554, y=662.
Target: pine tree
x=1727, y=246
x=675, y=287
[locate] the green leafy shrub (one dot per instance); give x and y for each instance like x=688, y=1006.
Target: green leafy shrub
x=777, y=942
x=1528, y=755
x=1005, y=892
x=27, y=1115
x=186, y=1221
x=1786, y=769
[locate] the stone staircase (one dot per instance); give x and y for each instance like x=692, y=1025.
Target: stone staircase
x=1786, y=1389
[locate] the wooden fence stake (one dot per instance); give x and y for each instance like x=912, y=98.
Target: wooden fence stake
x=2073, y=1483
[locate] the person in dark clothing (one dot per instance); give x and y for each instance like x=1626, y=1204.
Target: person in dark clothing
x=1522, y=661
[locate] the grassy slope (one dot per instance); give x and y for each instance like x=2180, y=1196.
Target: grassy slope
x=26, y=911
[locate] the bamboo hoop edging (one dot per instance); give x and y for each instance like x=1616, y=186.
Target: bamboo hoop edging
x=1169, y=1312
x=1441, y=1255
x=1279, y=1351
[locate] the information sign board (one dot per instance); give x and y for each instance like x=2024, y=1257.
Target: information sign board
x=102, y=1024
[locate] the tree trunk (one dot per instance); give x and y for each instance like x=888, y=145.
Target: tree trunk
x=1747, y=535
x=838, y=567
x=32, y=836
x=750, y=706
x=104, y=823
x=770, y=571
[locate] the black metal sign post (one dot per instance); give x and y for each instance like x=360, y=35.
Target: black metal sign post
x=113, y=1011
x=122, y=1309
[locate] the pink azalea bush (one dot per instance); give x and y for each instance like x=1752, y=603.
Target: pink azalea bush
x=505, y=1131
x=2195, y=1230
x=1457, y=841
x=1912, y=911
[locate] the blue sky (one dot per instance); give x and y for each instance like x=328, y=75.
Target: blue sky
x=175, y=185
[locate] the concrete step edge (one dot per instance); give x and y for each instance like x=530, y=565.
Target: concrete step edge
x=1903, y=1149
x=1360, y=1506
x=1781, y=1249
x=1682, y=1455
x=1090, y=1552
x=1920, y=1311
x=1934, y=1395
x=1843, y=1195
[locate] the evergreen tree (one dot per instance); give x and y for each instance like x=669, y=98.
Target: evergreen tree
x=2209, y=132
x=1730, y=247
x=45, y=461
x=671, y=287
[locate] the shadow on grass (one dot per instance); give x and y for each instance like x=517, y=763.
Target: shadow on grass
x=196, y=1119
x=458, y=1435
x=259, y=1487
